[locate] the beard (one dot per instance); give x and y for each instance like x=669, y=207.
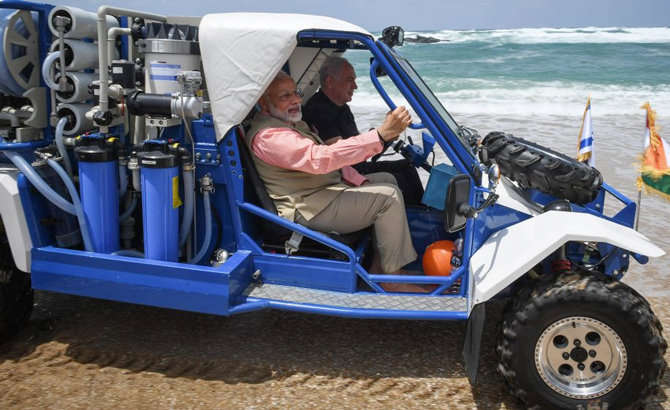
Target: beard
x=286, y=115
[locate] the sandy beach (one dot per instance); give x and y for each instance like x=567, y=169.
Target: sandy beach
x=79, y=353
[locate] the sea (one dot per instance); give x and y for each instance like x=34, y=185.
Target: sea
x=534, y=83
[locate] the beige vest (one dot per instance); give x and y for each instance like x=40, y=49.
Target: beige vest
x=294, y=190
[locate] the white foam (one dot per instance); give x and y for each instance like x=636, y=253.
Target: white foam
x=553, y=35
x=527, y=98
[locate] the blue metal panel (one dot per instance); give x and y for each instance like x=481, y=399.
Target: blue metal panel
x=493, y=219
x=234, y=181
x=155, y=283
x=308, y=272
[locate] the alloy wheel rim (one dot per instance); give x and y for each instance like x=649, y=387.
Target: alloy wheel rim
x=580, y=357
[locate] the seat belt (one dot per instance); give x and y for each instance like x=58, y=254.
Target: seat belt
x=292, y=245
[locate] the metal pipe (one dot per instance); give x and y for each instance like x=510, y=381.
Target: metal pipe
x=139, y=130
x=103, y=11
x=208, y=230
x=112, y=33
x=60, y=144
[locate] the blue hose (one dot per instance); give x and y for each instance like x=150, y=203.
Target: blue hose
x=60, y=127
x=46, y=71
x=208, y=230
x=83, y=225
x=187, y=218
x=39, y=183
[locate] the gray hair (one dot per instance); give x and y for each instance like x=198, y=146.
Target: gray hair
x=331, y=67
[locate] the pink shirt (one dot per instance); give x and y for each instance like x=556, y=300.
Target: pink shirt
x=288, y=149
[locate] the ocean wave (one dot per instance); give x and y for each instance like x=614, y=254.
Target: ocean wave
x=533, y=99
x=553, y=35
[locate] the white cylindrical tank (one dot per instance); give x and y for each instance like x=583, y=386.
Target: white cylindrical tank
x=83, y=23
x=164, y=59
x=80, y=81
x=79, y=55
x=77, y=121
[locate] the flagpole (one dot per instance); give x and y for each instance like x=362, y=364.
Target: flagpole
x=639, y=204
x=639, y=185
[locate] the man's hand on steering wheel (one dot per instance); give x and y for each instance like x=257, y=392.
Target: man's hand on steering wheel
x=395, y=122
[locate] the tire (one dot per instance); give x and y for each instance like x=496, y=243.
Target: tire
x=588, y=318
x=16, y=296
x=538, y=167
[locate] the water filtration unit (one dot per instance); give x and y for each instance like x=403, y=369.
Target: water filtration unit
x=99, y=189
x=159, y=165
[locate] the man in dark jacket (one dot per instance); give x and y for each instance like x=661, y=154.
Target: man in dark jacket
x=329, y=113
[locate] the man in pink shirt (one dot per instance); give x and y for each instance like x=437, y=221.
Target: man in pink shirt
x=314, y=184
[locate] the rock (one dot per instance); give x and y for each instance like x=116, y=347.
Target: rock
x=422, y=39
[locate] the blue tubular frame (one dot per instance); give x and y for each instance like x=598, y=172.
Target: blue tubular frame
x=42, y=10
x=385, y=96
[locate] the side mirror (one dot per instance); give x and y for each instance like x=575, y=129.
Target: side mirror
x=457, y=208
x=393, y=36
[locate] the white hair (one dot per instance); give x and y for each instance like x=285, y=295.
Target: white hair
x=332, y=67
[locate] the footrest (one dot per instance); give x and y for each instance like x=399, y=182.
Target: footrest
x=443, y=303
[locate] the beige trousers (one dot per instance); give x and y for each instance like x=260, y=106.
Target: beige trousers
x=377, y=202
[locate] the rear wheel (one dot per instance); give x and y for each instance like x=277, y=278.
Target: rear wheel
x=16, y=294
x=581, y=341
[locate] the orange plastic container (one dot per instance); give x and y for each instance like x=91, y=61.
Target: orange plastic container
x=437, y=258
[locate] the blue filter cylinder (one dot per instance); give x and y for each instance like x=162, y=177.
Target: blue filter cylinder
x=160, y=200
x=99, y=186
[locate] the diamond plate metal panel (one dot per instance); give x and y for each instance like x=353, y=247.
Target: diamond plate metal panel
x=356, y=301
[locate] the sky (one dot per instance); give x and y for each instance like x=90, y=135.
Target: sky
x=414, y=15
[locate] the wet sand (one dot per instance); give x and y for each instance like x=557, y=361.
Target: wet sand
x=86, y=353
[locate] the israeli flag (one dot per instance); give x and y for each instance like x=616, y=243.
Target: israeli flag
x=585, y=151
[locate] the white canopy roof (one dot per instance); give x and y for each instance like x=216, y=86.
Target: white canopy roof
x=242, y=53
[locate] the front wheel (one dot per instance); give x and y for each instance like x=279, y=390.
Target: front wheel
x=581, y=341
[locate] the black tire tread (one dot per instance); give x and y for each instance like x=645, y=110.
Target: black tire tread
x=16, y=296
x=579, y=287
x=534, y=166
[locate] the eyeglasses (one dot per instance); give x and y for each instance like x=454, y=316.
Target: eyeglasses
x=283, y=97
